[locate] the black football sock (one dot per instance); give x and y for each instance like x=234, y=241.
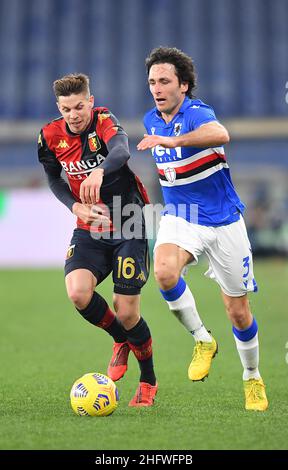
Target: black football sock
x=99, y=314
x=140, y=342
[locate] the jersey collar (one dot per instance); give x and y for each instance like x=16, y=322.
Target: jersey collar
x=186, y=104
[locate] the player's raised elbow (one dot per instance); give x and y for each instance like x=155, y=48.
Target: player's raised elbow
x=217, y=133
x=224, y=137
x=123, y=153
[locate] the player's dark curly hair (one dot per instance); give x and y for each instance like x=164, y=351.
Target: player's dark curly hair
x=183, y=64
x=72, y=84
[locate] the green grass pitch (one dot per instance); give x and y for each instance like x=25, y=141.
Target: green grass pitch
x=45, y=346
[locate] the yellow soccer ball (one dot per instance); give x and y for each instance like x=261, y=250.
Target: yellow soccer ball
x=94, y=394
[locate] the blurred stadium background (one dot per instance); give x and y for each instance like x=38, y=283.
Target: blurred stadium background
x=240, y=49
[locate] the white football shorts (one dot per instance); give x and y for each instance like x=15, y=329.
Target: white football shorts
x=227, y=247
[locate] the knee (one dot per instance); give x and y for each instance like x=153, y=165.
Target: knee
x=116, y=303
x=127, y=319
x=239, y=315
x=165, y=277
x=127, y=311
x=80, y=297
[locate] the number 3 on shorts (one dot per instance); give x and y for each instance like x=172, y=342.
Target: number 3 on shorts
x=246, y=265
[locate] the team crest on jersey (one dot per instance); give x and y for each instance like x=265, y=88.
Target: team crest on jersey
x=153, y=130
x=70, y=251
x=62, y=144
x=93, y=142
x=170, y=174
x=177, y=128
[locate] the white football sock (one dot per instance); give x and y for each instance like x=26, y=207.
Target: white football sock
x=184, y=308
x=249, y=356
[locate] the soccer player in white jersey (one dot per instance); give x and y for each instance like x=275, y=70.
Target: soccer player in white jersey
x=203, y=214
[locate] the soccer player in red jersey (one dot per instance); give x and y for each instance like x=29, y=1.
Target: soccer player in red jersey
x=90, y=145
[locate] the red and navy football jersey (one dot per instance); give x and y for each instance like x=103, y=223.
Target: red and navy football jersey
x=78, y=154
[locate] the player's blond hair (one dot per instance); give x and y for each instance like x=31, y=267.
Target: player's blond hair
x=72, y=84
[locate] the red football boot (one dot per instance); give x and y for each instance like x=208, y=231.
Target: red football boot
x=145, y=395
x=118, y=363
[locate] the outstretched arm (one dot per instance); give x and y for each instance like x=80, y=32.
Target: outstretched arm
x=212, y=134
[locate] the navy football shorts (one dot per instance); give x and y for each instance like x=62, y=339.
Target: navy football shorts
x=128, y=260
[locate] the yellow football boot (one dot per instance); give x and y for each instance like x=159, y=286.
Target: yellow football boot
x=255, y=395
x=201, y=360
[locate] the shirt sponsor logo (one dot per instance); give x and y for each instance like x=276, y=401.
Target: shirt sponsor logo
x=162, y=154
x=82, y=166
